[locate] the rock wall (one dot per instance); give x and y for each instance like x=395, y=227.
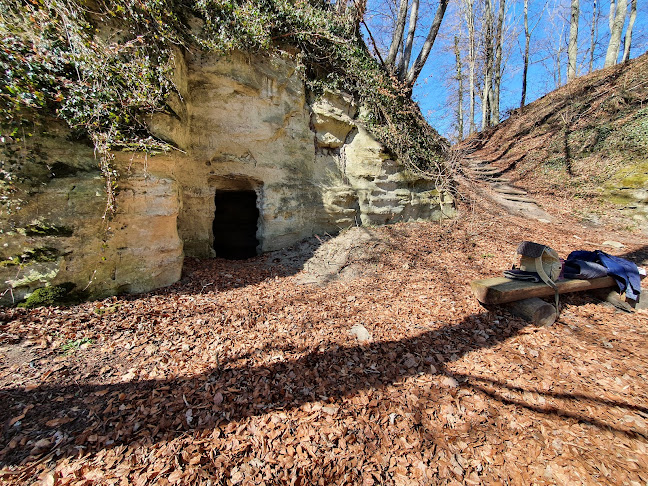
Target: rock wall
x=53, y=229
x=239, y=123
x=630, y=193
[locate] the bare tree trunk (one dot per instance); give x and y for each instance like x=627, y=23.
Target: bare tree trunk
x=488, y=65
x=628, y=37
x=470, y=20
x=459, y=77
x=527, y=42
x=416, y=68
x=491, y=102
x=407, y=53
x=557, y=67
x=397, y=38
x=557, y=57
x=593, y=36
x=612, y=13
x=572, y=50
x=612, y=55
x=497, y=67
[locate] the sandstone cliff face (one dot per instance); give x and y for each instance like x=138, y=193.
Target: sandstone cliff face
x=630, y=192
x=240, y=123
x=53, y=230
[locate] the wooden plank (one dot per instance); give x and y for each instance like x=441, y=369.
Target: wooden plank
x=502, y=290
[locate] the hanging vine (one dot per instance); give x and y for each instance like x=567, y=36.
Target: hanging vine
x=102, y=66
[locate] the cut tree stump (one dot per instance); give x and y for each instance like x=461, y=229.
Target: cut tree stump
x=535, y=310
x=502, y=290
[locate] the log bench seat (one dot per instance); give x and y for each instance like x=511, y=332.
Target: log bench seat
x=501, y=290
x=523, y=297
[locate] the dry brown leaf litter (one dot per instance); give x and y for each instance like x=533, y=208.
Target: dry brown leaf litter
x=247, y=372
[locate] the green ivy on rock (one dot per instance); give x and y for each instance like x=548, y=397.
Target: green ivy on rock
x=102, y=66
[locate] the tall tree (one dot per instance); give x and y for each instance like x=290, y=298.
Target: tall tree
x=400, y=49
x=628, y=37
x=593, y=35
x=397, y=37
x=525, y=61
x=572, y=49
x=469, y=15
x=528, y=32
x=409, y=42
x=459, y=78
x=417, y=66
x=497, y=64
x=612, y=55
x=488, y=64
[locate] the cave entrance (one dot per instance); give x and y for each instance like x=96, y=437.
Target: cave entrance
x=235, y=224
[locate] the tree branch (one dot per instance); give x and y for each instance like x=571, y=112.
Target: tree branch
x=373, y=41
x=416, y=68
x=397, y=38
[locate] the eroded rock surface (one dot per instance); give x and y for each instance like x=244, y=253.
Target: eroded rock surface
x=240, y=123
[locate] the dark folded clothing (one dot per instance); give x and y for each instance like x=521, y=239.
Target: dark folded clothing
x=624, y=272
x=516, y=274
x=583, y=270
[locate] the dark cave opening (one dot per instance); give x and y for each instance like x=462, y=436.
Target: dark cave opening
x=235, y=224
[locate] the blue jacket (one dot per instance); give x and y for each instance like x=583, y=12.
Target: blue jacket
x=624, y=272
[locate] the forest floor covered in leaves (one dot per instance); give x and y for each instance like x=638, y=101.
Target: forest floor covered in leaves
x=248, y=372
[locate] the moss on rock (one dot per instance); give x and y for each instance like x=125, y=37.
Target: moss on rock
x=53, y=295
x=31, y=255
x=44, y=229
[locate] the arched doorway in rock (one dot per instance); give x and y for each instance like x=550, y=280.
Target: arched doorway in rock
x=236, y=219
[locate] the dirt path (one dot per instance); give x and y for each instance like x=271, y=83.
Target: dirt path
x=498, y=188
x=248, y=373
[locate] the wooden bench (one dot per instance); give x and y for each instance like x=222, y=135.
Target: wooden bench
x=502, y=290
x=523, y=297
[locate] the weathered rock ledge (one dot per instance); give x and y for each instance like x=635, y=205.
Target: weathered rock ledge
x=240, y=123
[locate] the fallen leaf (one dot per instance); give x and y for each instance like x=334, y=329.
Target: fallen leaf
x=49, y=479
x=58, y=421
x=21, y=416
x=40, y=446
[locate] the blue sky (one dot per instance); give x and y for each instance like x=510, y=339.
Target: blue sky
x=435, y=91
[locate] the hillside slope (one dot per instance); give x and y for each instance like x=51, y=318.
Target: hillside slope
x=584, y=144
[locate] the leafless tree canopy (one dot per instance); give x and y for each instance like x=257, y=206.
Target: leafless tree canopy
x=485, y=44
x=401, y=46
